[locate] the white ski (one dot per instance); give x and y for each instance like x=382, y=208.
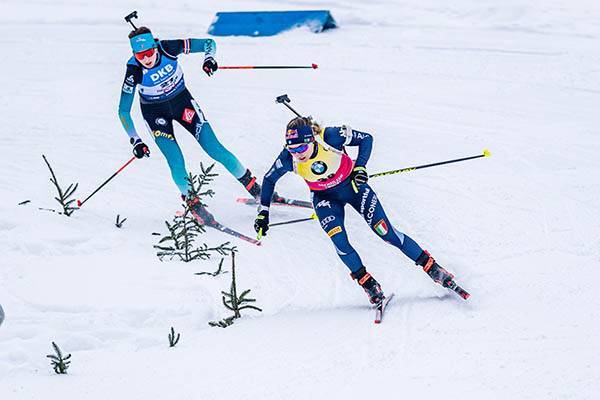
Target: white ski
x=380, y=308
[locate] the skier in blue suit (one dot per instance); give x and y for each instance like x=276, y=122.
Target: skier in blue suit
x=164, y=98
x=334, y=179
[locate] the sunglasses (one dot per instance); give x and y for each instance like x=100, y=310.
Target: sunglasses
x=145, y=54
x=299, y=149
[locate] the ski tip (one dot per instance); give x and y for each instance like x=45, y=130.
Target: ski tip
x=314, y=66
x=78, y=203
x=486, y=153
x=465, y=295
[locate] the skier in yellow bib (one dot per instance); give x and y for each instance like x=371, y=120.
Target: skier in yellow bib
x=319, y=157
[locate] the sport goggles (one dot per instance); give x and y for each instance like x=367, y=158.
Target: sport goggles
x=145, y=54
x=299, y=149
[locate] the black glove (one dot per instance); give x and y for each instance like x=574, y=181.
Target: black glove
x=139, y=148
x=359, y=177
x=210, y=66
x=261, y=223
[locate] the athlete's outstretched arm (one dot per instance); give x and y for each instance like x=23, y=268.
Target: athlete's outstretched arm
x=127, y=93
x=339, y=137
x=186, y=46
x=280, y=167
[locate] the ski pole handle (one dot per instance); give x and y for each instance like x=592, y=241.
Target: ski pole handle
x=80, y=203
x=312, y=66
x=486, y=153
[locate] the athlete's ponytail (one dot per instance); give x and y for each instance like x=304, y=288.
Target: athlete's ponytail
x=305, y=121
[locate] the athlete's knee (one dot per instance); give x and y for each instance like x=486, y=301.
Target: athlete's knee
x=213, y=147
x=338, y=236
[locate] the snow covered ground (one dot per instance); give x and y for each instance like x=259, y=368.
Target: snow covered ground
x=431, y=80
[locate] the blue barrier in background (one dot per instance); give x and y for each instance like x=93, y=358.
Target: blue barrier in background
x=269, y=23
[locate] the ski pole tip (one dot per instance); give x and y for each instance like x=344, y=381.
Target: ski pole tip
x=314, y=66
x=486, y=153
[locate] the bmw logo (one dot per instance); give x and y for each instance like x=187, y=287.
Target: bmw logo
x=318, y=167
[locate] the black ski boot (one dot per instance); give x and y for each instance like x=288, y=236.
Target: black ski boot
x=369, y=284
x=254, y=188
x=199, y=211
x=250, y=184
x=434, y=270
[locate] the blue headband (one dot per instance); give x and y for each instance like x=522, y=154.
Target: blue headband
x=142, y=42
x=302, y=134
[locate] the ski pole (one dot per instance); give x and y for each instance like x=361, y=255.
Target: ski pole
x=486, y=153
x=80, y=203
x=294, y=221
x=312, y=66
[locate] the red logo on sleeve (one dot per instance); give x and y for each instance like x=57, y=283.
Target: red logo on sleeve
x=188, y=115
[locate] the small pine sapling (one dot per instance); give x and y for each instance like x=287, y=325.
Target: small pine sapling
x=64, y=196
x=59, y=363
x=233, y=302
x=119, y=223
x=184, y=229
x=224, y=323
x=219, y=270
x=173, y=340
x=197, y=183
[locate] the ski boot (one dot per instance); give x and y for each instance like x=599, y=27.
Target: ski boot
x=439, y=274
x=433, y=269
x=254, y=188
x=370, y=285
x=250, y=184
x=199, y=211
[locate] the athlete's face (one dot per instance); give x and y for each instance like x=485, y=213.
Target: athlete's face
x=301, y=152
x=147, y=58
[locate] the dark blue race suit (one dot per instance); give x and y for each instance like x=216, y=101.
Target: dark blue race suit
x=329, y=203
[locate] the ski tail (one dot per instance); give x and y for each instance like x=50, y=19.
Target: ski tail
x=380, y=308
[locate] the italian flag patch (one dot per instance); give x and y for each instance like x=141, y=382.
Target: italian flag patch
x=381, y=228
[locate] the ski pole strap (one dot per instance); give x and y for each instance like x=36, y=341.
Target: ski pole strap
x=294, y=221
x=486, y=153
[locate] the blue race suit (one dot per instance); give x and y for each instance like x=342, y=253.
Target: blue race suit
x=164, y=98
x=331, y=191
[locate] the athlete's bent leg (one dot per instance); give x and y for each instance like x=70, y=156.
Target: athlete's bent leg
x=331, y=217
x=161, y=129
x=205, y=135
x=368, y=205
x=218, y=152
